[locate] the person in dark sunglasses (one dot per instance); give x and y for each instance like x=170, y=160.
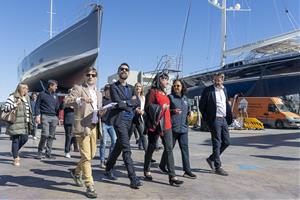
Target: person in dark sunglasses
x=87, y=103
x=121, y=118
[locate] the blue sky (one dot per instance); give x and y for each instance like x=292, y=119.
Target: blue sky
x=139, y=32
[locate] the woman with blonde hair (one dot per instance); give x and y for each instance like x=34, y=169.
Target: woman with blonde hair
x=138, y=120
x=19, y=130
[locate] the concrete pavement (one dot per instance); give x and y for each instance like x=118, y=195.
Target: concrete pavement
x=261, y=165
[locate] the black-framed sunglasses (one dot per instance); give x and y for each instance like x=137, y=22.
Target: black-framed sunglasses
x=124, y=69
x=176, y=85
x=91, y=75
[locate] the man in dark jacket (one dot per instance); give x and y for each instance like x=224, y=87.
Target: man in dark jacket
x=216, y=112
x=46, y=112
x=121, y=118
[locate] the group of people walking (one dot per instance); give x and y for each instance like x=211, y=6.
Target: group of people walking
x=117, y=113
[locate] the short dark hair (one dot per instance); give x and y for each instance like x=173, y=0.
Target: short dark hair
x=106, y=87
x=91, y=69
x=219, y=74
x=155, y=81
x=52, y=82
x=183, y=90
x=33, y=93
x=122, y=65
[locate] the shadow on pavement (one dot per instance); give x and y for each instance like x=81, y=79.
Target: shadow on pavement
x=277, y=157
x=264, y=141
x=62, y=163
x=35, y=182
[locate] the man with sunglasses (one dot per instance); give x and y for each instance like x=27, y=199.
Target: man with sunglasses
x=121, y=118
x=87, y=103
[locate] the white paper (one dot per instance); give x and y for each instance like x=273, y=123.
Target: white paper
x=109, y=105
x=95, y=117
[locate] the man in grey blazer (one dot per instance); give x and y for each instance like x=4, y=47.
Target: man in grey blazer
x=87, y=103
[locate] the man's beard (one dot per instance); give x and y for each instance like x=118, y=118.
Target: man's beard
x=123, y=76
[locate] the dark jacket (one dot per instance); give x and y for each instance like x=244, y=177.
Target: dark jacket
x=179, y=121
x=105, y=117
x=33, y=103
x=69, y=116
x=154, y=118
x=125, y=103
x=47, y=104
x=208, y=106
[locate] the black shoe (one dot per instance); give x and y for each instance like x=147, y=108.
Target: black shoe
x=221, y=171
x=91, y=193
x=148, y=176
x=153, y=161
x=162, y=169
x=141, y=148
x=51, y=157
x=77, y=178
x=109, y=175
x=135, y=183
x=39, y=156
x=210, y=163
x=189, y=175
x=159, y=148
x=174, y=181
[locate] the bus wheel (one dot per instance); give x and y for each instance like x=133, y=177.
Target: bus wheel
x=279, y=124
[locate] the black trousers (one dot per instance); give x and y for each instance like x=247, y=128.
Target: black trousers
x=123, y=131
x=220, y=139
x=17, y=142
x=70, y=138
x=167, y=140
x=138, y=129
x=184, y=148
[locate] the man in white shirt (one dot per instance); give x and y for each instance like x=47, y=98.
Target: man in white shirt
x=216, y=112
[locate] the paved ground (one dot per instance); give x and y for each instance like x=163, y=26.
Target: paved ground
x=262, y=165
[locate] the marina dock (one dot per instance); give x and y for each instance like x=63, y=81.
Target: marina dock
x=261, y=165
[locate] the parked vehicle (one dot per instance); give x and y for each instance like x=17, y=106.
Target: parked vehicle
x=270, y=110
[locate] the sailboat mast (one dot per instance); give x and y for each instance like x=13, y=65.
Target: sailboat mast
x=223, y=33
x=51, y=14
x=224, y=9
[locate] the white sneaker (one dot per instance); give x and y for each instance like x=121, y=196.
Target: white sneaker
x=68, y=155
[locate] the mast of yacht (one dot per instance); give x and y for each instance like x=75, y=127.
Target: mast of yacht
x=224, y=9
x=51, y=19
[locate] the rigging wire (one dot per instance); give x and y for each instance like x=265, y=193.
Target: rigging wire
x=277, y=15
x=290, y=16
x=209, y=36
x=249, y=21
x=180, y=62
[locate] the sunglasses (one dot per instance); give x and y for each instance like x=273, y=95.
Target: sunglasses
x=91, y=75
x=124, y=69
x=176, y=85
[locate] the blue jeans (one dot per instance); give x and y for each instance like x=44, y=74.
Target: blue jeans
x=107, y=130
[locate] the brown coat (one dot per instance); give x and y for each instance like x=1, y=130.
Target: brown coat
x=84, y=112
